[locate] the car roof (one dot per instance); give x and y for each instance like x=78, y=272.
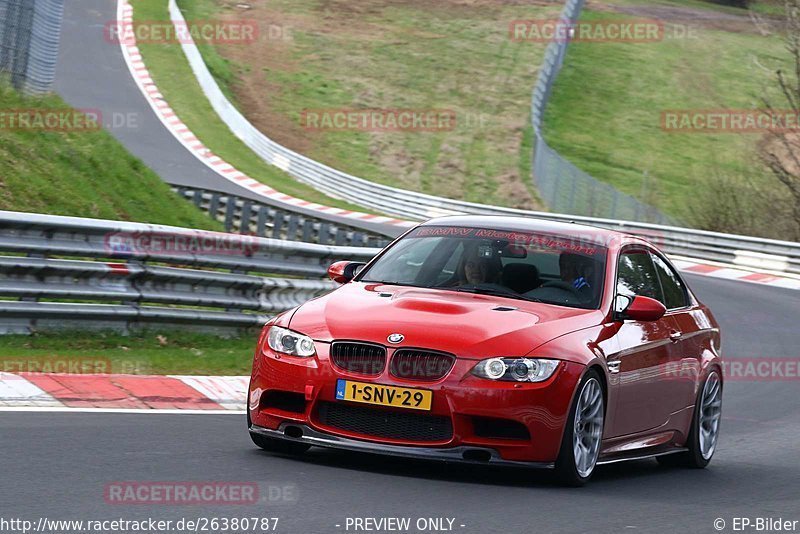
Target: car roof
x=597, y=235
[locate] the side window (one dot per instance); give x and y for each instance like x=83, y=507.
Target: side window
x=636, y=275
x=674, y=290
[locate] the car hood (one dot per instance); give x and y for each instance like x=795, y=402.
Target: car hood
x=466, y=324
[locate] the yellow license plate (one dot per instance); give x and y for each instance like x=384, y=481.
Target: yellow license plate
x=415, y=399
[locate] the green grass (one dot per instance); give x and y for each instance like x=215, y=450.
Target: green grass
x=82, y=173
x=172, y=74
x=139, y=353
x=392, y=55
x=605, y=112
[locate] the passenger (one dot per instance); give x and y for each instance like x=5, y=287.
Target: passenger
x=477, y=269
x=576, y=270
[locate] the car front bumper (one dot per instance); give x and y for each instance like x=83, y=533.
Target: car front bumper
x=300, y=433
x=541, y=408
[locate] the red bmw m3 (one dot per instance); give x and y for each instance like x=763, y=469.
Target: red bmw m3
x=501, y=341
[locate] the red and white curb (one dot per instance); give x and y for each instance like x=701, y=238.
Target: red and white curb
x=133, y=58
x=122, y=393
x=733, y=272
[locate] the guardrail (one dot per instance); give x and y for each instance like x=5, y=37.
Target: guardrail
x=29, y=39
x=245, y=216
x=68, y=272
x=751, y=252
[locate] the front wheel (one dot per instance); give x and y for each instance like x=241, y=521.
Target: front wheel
x=704, y=433
x=583, y=434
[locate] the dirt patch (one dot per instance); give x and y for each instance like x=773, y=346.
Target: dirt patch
x=361, y=7
x=253, y=89
x=694, y=17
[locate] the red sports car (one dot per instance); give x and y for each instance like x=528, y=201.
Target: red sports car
x=497, y=340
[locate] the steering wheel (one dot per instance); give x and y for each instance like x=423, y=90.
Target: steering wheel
x=560, y=284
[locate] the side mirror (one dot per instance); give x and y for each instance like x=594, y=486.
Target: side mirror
x=342, y=272
x=641, y=308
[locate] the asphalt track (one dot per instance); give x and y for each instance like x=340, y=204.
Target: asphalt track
x=57, y=465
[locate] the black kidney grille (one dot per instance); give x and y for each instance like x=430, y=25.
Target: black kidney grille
x=384, y=423
x=416, y=364
x=359, y=357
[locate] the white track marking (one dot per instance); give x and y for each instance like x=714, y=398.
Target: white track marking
x=228, y=391
x=16, y=392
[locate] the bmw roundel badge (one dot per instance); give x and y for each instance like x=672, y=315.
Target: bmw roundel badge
x=395, y=338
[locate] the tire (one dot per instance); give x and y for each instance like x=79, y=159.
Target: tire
x=699, y=450
x=281, y=446
x=571, y=471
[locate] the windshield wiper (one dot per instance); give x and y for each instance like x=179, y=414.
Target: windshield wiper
x=389, y=283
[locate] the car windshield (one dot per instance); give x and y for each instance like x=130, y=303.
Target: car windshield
x=554, y=269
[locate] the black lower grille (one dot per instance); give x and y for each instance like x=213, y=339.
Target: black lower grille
x=486, y=427
x=359, y=357
x=287, y=401
x=384, y=423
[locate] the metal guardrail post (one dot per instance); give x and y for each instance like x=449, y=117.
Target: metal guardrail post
x=246, y=216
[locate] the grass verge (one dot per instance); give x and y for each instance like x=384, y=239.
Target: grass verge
x=605, y=113
x=85, y=173
x=142, y=353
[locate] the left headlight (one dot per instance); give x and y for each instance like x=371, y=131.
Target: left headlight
x=516, y=369
x=286, y=341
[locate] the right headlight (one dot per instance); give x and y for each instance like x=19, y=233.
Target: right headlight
x=516, y=369
x=287, y=341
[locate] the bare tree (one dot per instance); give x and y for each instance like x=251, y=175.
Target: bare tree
x=781, y=151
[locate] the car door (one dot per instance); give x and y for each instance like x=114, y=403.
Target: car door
x=684, y=365
x=645, y=350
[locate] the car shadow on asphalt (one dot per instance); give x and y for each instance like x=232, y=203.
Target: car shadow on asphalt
x=469, y=473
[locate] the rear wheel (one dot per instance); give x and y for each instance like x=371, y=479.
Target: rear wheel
x=276, y=445
x=704, y=433
x=583, y=434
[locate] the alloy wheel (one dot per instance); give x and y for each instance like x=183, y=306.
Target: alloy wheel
x=710, y=414
x=588, y=427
